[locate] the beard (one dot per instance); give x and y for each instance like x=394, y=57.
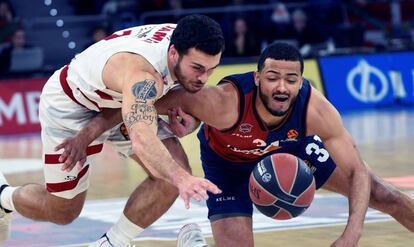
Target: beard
x=277, y=113
x=185, y=83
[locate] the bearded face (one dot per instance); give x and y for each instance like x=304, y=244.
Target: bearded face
x=278, y=86
x=193, y=68
x=278, y=103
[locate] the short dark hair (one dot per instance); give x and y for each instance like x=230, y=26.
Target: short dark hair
x=280, y=51
x=199, y=32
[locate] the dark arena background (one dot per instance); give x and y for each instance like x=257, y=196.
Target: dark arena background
x=359, y=53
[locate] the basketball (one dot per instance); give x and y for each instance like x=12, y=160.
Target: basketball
x=281, y=186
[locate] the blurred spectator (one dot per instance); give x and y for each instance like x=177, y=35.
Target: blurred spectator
x=243, y=42
x=278, y=25
x=8, y=22
x=98, y=34
x=306, y=33
x=19, y=56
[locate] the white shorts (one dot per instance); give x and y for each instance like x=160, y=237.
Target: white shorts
x=60, y=117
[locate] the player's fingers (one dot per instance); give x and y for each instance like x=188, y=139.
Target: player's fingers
x=197, y=197
x=82, y=161
x=67, y=166
x=203, y=193
x=212, y=187
x=181, y=113
x=186, y=200
x=172, y=115
x=79, y=165
x=60, y=146
x=64, y=155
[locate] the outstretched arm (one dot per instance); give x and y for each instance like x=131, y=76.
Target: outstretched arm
x=216, y=106
x=140, y=91
x=324, y=121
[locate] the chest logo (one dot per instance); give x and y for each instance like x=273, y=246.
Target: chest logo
x=292, y=134
x=245, y=128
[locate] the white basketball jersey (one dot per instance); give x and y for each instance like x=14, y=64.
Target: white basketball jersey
x=86, y=69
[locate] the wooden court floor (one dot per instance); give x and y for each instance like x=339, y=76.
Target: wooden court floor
x=384, y=139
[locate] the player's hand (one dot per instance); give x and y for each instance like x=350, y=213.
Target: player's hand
x=196, y=188
x=74, y=153
x=181, y=123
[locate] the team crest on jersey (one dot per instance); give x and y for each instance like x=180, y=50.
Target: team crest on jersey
x=245, y=128
x=124, y=131
x=292, y=134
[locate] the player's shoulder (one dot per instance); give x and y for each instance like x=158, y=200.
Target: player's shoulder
x=239, y=78
x=243, y=83
x=321, y=114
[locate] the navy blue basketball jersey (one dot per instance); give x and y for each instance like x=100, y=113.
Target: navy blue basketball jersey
x=250, y=138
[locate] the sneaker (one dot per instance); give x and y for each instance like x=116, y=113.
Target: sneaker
x=102, y=242
x=5, y=216
x=190, y=235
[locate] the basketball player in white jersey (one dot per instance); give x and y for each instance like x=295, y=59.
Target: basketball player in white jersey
x=130, y=69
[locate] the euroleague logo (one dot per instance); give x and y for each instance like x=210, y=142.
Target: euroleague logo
x=266, y=177
x=292, y=134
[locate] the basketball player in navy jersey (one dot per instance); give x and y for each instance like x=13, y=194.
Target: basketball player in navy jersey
x=275, y=109
x=248, y=116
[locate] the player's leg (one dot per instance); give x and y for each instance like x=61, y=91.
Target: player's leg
x=233, y=231
x=159, y=195
x=60, y=201
x=384, y=196
x=230, y=212
x=61, y=198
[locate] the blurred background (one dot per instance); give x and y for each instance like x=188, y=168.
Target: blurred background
x=37, y=37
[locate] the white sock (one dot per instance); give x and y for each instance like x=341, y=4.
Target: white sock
x=123, y=232
x=6, y=198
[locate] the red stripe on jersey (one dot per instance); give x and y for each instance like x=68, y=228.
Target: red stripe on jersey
x=103, y=95
x=65, y=85
x=93, y=102
x=68, y=185
x=54, y=158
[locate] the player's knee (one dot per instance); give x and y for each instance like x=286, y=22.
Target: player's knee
x=65, y=218
x=64, y=211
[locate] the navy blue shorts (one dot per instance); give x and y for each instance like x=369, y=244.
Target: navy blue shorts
x=233, y=178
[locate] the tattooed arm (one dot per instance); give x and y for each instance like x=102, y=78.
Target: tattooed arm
x=140, y=117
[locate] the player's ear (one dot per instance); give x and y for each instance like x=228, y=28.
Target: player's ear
x=301, y=82
x=173, y=53
x=256, y=78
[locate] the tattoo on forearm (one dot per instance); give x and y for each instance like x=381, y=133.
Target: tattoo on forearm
x=144, y=90
x=140, y=112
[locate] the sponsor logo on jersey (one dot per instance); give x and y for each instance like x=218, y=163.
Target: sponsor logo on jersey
x=257, y=151
x=159, y=35
x=225, y=198
x=292, y=134
x=70, y=178
x=245, y=128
